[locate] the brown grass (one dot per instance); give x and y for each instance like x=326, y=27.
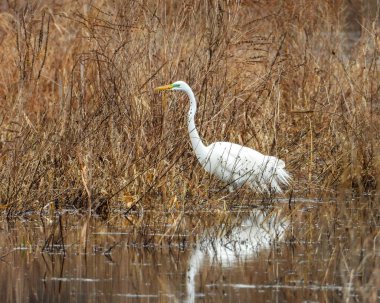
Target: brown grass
x=81, y=126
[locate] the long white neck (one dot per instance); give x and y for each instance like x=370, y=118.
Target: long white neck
x=196, y=142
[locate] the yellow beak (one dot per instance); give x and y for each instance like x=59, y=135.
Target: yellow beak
x=165, y=87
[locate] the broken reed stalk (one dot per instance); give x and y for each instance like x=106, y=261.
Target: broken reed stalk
x=311, y=161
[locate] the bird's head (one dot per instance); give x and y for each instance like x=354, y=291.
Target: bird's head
x=178, y=85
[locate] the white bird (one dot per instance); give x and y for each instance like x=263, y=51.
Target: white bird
x=233, y=163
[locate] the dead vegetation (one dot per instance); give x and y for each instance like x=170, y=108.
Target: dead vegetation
x=81, y=126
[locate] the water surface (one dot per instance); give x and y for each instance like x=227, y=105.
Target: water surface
x=312, y=251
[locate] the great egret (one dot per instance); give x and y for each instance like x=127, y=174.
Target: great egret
x=233, y=163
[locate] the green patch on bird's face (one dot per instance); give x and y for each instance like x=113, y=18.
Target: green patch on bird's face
x=175, y=85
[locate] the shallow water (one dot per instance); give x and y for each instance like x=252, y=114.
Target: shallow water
x=311, y=252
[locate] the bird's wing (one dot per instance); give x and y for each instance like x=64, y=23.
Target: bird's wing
x=236, y=159
x=244, y=164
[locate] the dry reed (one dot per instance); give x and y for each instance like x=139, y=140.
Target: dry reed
x=81, y=125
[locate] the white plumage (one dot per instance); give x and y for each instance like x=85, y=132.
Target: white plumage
x=233, y=163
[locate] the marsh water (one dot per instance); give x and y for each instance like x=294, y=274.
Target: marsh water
x=309, y=251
